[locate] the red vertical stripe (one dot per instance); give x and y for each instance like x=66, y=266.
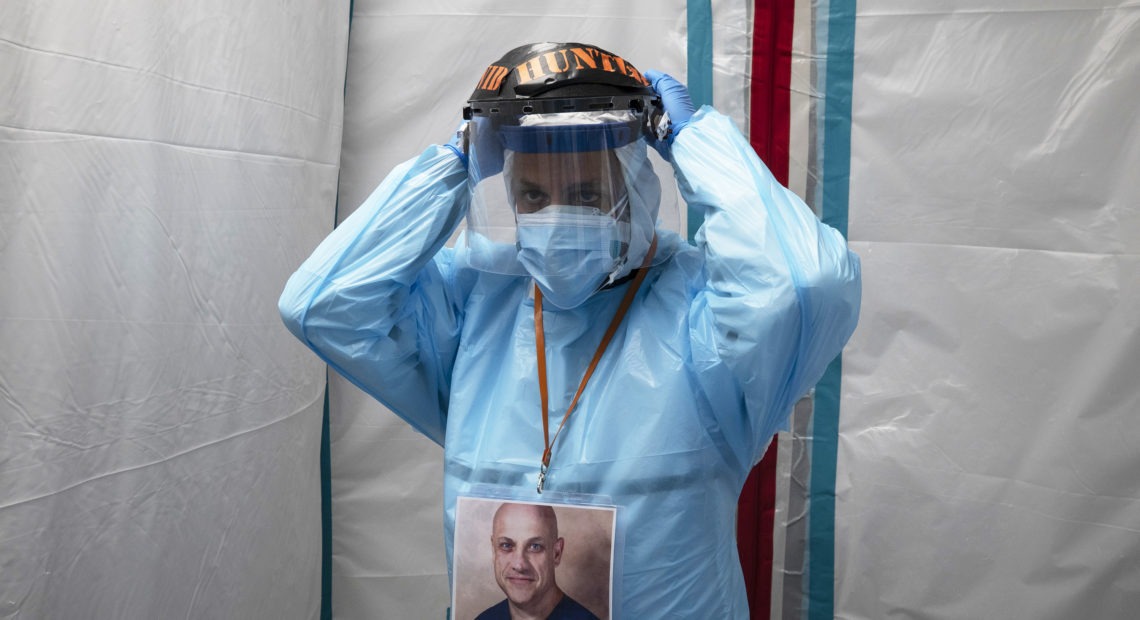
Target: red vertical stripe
x=768, y=131
x=755, y=520
x=770, y=116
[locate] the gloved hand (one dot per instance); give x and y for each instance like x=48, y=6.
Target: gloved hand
x=457, y=142
x=679, y=107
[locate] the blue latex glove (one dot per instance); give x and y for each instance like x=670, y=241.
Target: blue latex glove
x=456, y=142
x=678, y=106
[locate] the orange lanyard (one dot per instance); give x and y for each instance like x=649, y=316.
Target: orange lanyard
x=540, y=346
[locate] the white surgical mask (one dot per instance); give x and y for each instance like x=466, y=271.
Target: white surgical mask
x=570, y=251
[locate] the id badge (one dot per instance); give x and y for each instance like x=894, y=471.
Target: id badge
x=552, y=558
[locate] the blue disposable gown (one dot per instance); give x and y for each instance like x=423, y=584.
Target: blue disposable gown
x=721, y=340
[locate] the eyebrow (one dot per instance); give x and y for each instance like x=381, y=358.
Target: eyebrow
x=529, y=540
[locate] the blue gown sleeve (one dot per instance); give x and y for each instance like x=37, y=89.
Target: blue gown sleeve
x=782, y=291
x=377, y=299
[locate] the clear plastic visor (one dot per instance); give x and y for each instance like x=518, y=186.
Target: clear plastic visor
x=566, y=183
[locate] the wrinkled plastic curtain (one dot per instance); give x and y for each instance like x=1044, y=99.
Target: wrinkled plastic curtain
x=163, y=168
x=988, y=462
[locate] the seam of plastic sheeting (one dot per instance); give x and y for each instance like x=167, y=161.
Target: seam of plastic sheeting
x=793, y=471
x=699, y=29
x=840, y=48
x=326, y=422
x=326, y=510
x=172, y=144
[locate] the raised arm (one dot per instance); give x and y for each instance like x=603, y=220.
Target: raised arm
x=782, y=292
x=377, y=300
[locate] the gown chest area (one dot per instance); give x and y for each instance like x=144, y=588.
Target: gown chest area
x=640, y=418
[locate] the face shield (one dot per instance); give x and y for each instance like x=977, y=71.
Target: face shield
x=569, y=198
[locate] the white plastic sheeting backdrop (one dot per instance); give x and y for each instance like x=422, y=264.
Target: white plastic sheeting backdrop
x=988, y=461
x=163, y=168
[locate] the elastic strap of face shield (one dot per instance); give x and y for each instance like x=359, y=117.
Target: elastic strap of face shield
x=569, y=138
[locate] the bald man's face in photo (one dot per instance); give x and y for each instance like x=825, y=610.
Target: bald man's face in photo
x=526, y=551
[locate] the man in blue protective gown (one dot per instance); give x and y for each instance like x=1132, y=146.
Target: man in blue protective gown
x=566, y=350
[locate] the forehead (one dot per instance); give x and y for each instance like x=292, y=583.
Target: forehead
x=590, y=165
x=522, y=521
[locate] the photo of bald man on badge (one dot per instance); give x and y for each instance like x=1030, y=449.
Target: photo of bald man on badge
x=547, y=562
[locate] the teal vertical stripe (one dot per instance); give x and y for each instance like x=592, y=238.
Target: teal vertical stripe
x=326, y=513
x=821, y=522
x=700, y=51
x=326, y=447
x=700, y=77
x=837, y=116
x=836, y=169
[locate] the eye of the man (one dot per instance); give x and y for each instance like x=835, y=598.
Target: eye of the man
x=536, y=547
x=534, y=196
x=586, y=195
x=506, y=545
x=531, y=198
